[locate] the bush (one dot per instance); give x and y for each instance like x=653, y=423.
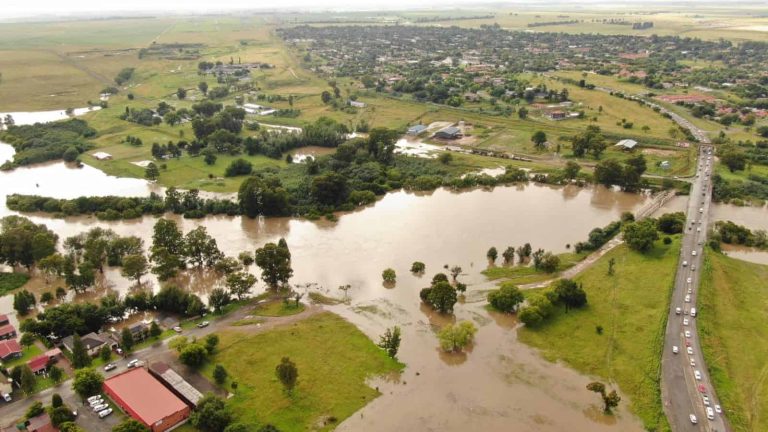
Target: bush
x=238, y=167
x=506, y=299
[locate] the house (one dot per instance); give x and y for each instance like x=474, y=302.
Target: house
x=146, y=400
x=557, y=115
x=10, y=349
x=102, y=156
x=626, y=144
x=139, y=331
x=7, y=331
x=416, y=129
x=450, y=132
x=39, y=364
x=357, y=104
x=40, y=423
x=4, y=319
x=92, y=343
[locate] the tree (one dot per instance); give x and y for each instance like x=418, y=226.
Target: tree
x=325, y=96
x=610, y=400
x=60, y=415
x=209, y=157
x=219, y=374
x=245, y=258
x=218, y=298
x=418, y=267
x=193, y=355
x=570, y=293
x=154, y=331
x=671, y=223
x=24, y=243
x=539, y=138
x=549, y=262
x=390, y=341
x=200, y=249
x=70, y=427
x=509, y=255
x=640, y=235
x=34, y=410
x=55, y=374
x=591, y=140
x=134, y=267
x=735, y=161
x=151, y=172
x=389, y=276
x=130, y=425
x=80, y=356
x=126, y=340
x=56, y=400
x=23, y=301
x=27, y=339
x=211, y=342
x=492, y=254
x=445, y=158
x=506, y=298
x=263, y=196
x=275, y=264
x=181, y=93
x=522, y=113
x=105, y=353
x=87, y=382
x=203, y=86
x=287, y=373
x=455, y=272
x=211, y=415
x=442, y=297
x=571, y=170
x=70, y=154
x=454, y=338
x=240, y=283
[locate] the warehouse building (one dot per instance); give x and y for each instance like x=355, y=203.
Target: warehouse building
x=145, y=399
x=176, y=384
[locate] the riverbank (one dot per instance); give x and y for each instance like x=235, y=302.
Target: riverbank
x=631, y=309
x=732, y=325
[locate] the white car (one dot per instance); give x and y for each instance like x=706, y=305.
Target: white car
x=678, y=311
x=697, y=230
x=690, y=290
x=693, y=363
x=705, y=399
x=710, y=413
x=101, y=407
x=685, y=321
x=105, y=413
x=96, y=402
x=689, y=280
x=718, y=409
x=693, y=419
x=685, y=263
x=697, y=375
x=133, y=363
x=689, y=350
x=93, y=398
x=693, y=253
x=675, y=349
x=687, y=298
x=688, y=333
x=701, y=210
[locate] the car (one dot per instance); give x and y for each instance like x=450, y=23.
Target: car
x=687, y=298
x=692, y=362
x=203, y=324
x=693, y=312
x=678, y=311
x=133, y=363
x=701, y=210
x=689, y=280
x=177, y=329
x=687, y=333
x=675, y=349
x=96, y=402
x=109, y=366
x=697, y=375
x=693, y=418
x=690, y=290
x=710, y=413
x=685, y=263
x=119, y=351
x=702, y=389
x=718, y=409
x=93, y=398
x=689, y=350
x=697, y=230
x=693, y=267
x=705, y=399
x=685, y=321
x=693, y=253
x=105, y=412
x=100, y=407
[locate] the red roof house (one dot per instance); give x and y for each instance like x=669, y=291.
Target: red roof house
x=9, y=349
x=39, y=364
x=7, y=331
x=4, y=319
x=145, y=399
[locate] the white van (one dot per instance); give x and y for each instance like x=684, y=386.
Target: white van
x=693, y=312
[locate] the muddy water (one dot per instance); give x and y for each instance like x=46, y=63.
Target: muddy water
x=746, y=253
x=31, y=117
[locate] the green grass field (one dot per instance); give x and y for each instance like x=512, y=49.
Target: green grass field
x=333, y=359
x=11, y=281
x=278, y=308
x=732, y=325
x=631, y=307
x=27, y=354
x=525, y=274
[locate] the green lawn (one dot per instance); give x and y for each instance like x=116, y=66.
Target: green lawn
x=277, y=308
x=526, y=274
x=333, y=358
x=631, y=306
x=11, y=281
x=732, y=325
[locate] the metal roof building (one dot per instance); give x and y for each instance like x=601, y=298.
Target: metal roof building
x=175, y=383
x=145, y=399
x=627, y=144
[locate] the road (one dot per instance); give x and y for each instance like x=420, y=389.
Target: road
x=682, y=394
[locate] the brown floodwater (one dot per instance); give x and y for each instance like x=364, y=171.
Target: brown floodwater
x=746, y=253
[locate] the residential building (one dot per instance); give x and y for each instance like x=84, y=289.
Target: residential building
x=92, y=343
x=7, y=331
x=10, y=349
x=626, y=144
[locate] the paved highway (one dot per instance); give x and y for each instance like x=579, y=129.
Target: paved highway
x=683, y=393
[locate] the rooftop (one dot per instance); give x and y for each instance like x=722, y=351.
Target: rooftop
x=626, y=143
x=173, y=379
x=38, y=363
x=450, y=130
x=8, y=347
x=145, y=395
x=6, y=329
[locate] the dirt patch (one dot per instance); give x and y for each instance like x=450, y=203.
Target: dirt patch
x=658, y=152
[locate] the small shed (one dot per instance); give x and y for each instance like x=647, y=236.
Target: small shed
x=357, y=104
x=416, y=129
x=626, y=144
x=450, y=132
x=102, y=156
